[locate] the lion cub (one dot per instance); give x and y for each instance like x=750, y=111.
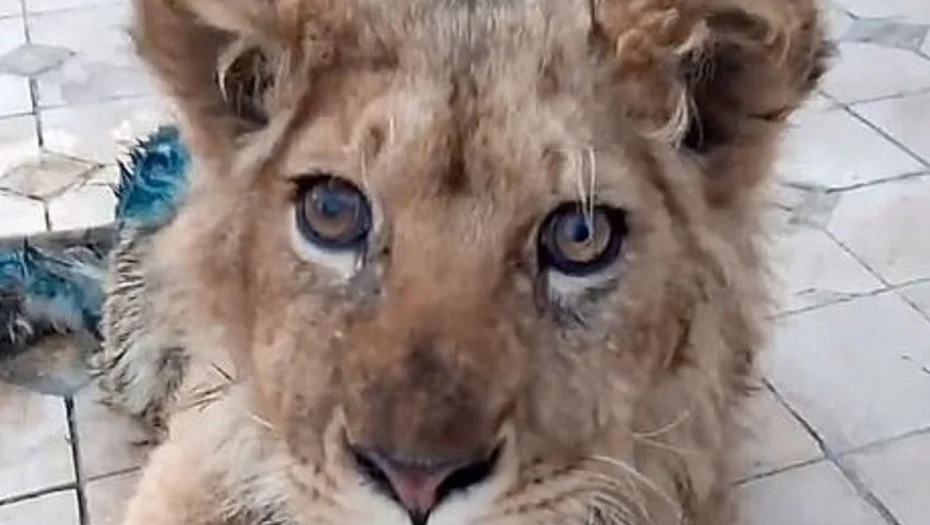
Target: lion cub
x=455, y=262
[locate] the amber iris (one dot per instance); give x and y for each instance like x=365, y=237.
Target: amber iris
x=333, y=213
x=578, y=241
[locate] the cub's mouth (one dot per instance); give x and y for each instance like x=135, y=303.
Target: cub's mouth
x=421, y=484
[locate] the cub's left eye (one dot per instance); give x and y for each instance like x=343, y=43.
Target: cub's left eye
x=576, y=241
x=332, y=213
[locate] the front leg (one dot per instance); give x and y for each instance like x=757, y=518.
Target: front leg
x=175, y=489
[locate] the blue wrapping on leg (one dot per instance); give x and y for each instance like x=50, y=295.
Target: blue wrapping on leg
x=61, y=291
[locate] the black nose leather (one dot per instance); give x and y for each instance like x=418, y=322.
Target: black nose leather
x=420, y=484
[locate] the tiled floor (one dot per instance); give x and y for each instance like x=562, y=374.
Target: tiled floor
x=843, y=426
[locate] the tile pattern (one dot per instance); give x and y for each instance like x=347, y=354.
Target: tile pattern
x=897, y=474
x=10, y=8
x=848, y=369
x=100, y=67
x=16, y=98
x=775, y=439
x=36, y=453
x=809, y=156
x=106, y=498
x=12, y=34
x=811, y=495
x=892, y=71
x=109, y=444
x=840, y=430
x=57, y=508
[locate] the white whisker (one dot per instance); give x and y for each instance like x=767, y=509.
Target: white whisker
x=592, y=187
x=638, y=476
x=682, y=416
x=363, y=169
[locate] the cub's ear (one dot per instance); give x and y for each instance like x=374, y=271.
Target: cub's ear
x=718, y=78
x=227, y=64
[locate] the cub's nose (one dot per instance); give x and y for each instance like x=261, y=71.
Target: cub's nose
x=420, y=484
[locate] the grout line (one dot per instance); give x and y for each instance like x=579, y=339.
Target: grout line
x=33, y=84
x=887, y=287
x=76, y=459
x=37, y=494
x=818, y=439
x=780, y=470
x=843, y=9
x=883, y=98
x=875, y=273
x=834, y=104
x=896, y=289
x=880, y=443
x=149, y=95
x=885, y=134
x=830, y=190
x=852, y=296
x=916, y=50
x=37, y=117
x=89, y=5
x=862, y=185
x=913, y=304
x=15, y=115
x=47, y=215
x=115, y=473
x=867, y=495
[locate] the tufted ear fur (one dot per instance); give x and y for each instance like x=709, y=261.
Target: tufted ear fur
x=717, y=78
x=230, y=64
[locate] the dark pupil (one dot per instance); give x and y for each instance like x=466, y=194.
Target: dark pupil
x=579, y=230
x=332, y=204
x=579, y=241
x=336, y=213
x=581, y=238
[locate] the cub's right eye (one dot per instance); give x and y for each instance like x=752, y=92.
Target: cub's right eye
x=579, y=243
x=332, y=214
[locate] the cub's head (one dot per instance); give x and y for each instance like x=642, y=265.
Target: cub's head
x=462, y=252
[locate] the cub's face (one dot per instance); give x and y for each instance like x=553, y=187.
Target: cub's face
x=464, y=283
x=462, y=245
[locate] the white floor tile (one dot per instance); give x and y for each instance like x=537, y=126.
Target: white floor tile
x=814, y=270
x=897, y=474
x=12, y=34
x=10, y=8
x=107, y=498
x=41, y=6
x=917, y=11
x=891, y=71
x=101, y=132
x=775, y=439
x=813, y=495
x=58, y=508
x=14, y=96
x=18, y=142
x=886, y=226
x=83, y=207
x=20, y=216
x=36, y=453
x=905, y=119
x=104, y=63
x=853, y=371
x=833, y=149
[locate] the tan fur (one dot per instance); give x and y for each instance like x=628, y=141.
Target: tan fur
x=467, y=122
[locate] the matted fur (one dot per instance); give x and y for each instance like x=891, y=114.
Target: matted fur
x=466, y=122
